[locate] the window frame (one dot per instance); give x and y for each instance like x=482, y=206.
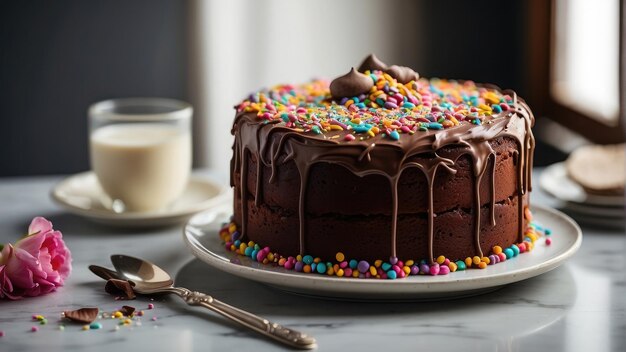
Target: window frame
x=540, y=38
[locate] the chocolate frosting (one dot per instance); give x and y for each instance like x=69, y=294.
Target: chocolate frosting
x=372, y=63
x=350, y=85
x=402, y=73
x=384, y=156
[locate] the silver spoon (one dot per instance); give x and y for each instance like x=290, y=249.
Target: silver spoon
x=148, y=279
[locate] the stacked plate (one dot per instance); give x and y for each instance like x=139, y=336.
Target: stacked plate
x=587, y=208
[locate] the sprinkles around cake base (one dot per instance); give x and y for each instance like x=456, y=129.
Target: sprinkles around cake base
x=391, y=269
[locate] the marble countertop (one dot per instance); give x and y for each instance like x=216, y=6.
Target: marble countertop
x=581, y=306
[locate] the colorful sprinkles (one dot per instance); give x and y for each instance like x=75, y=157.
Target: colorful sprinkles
x=391, y=109
x=391, y=269
x=125, y=316
x=41, y=319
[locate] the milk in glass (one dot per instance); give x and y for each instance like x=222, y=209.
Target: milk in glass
x=145, y=165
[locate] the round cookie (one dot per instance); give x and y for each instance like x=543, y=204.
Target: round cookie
x=599, y=169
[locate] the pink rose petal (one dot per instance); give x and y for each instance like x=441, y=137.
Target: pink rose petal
x=6, y=287
x=39, y=225
x=36, y=264
x=31, y=243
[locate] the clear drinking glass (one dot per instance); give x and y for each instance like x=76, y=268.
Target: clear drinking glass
x=140, y=150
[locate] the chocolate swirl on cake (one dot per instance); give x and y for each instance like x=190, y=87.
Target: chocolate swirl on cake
x=372, y=63
x=351, y=84
x=402, y=73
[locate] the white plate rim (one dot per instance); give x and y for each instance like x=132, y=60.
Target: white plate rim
x=137, y=216
x=598, y=222
x=601, y=212
x=411, y=285
x=577, y=193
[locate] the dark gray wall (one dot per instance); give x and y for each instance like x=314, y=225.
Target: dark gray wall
x=479, y=40
x=58, y=57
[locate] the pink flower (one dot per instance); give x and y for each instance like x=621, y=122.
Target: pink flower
x=37, y=264
x=6, y=287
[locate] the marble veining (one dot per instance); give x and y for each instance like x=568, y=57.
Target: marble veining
x=580, y=306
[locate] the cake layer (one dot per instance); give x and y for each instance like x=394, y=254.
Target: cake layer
x=334, y=189
x=369, y=237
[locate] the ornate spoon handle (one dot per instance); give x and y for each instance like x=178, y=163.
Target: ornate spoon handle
x=277, y=332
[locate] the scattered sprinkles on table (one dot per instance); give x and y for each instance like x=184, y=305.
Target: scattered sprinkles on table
x=391, y=269
x=126, y=316
x=41, y=319
x=390, y=109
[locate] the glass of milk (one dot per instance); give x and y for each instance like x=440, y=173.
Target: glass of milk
x=140, y=150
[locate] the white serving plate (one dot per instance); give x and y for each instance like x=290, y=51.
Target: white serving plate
x=201, y=236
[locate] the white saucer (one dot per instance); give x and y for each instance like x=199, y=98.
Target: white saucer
x=555, y=181
x=81, y=194
x=202, y=238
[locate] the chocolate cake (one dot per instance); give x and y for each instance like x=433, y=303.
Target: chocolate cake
x=381, y=164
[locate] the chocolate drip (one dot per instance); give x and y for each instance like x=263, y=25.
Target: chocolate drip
x=366, y=152
x=384, y=156
x=492, y=204
x=430, y=173
x=394, y=214
x=480, y=166
x=431, y=221
x=243, y=184
x=304, y=177
x=476, y=212
x=234, y=162
x=526, y=147
x=258, y=193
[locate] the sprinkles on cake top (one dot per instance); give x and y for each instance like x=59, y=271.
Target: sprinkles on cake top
x=385, y=106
